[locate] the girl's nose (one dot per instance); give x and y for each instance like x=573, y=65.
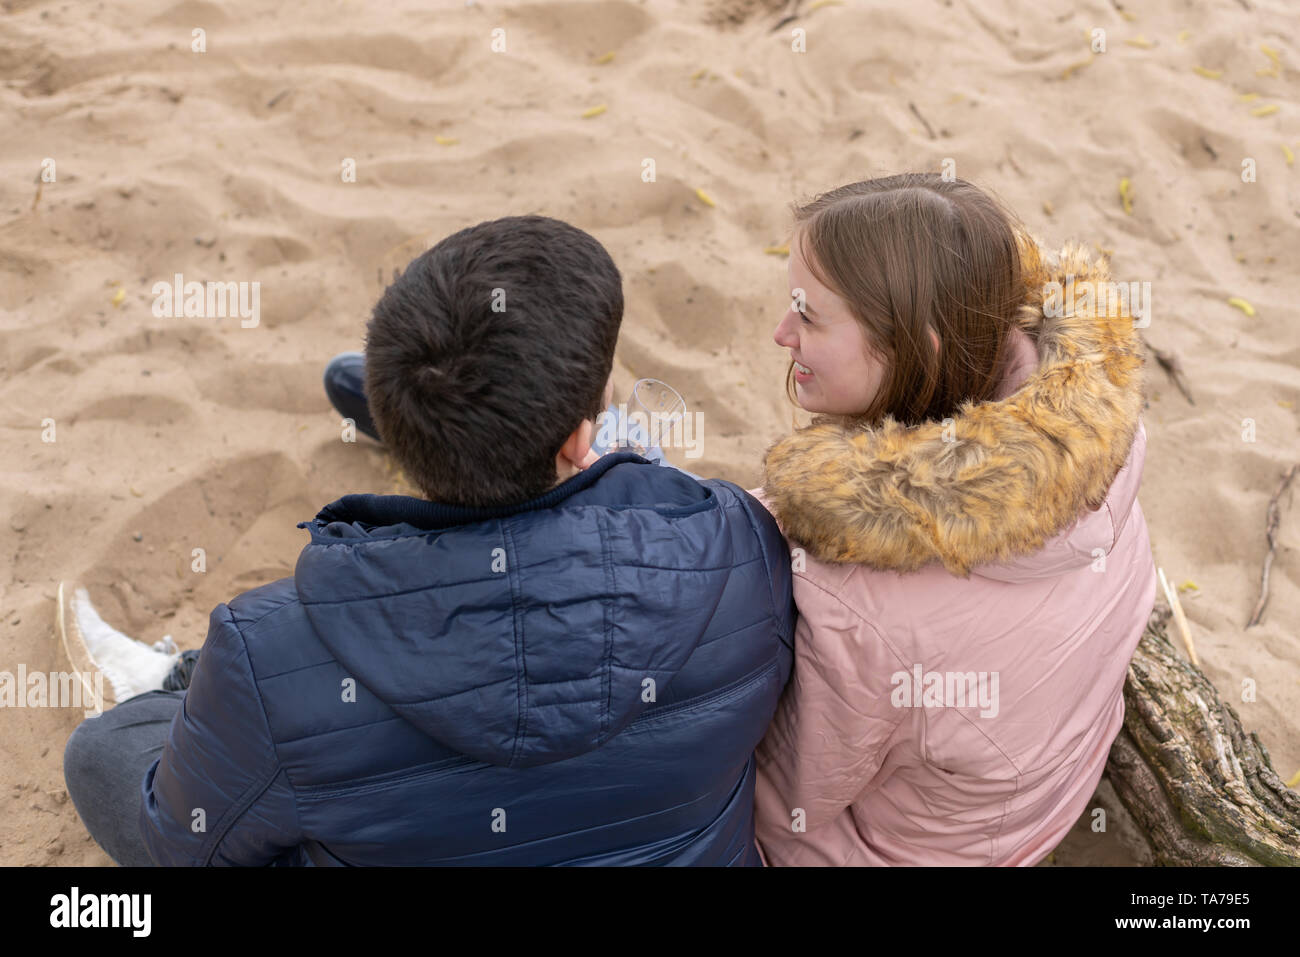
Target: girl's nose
x=785, y=335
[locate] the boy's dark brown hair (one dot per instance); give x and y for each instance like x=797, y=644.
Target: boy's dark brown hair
x=487, y=352
x=912, y=252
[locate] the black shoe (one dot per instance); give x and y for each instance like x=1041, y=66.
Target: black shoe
x=179, y=679
x=345, y=379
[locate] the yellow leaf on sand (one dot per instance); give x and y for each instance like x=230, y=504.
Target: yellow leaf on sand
x=1207, y=73
x=1140, y=41
x=446, y=140
x=778, y=250
x=824, y=3
x=1065, y=74
x=1247, y=97
x=1189, y=585
x=1295, y=779
x=699, y=73
x=605, y=58
x=1126, y=195
x=705, y=198
x=1265, y=110
x=1286, y=403
x=1290, y=157
x=119, y=297
x=1183, y=35
x=1242, y=304
x=1272, y=54
x=594, y=111
x=1048, y=208
x=136, y=492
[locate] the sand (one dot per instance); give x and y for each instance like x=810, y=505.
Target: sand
x=174, y=433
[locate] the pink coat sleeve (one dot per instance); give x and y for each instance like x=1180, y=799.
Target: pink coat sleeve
x=830, y=735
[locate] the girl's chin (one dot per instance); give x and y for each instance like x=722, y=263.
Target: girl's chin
x=815, y=406
x=808, y=400
x=816, y=403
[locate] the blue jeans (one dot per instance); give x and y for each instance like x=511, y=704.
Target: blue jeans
x=107, y=757
x=345, y=380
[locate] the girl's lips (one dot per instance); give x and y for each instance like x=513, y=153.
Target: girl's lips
x=801, y=372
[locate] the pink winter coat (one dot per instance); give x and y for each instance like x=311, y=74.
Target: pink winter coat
x=966, y=616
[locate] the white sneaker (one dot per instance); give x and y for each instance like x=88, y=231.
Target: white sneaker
x=167, y=646
x=130, y=667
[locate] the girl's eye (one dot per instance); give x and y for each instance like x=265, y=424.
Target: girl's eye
x=804, y=318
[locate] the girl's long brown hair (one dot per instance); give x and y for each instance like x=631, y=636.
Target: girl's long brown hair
x=912, y=252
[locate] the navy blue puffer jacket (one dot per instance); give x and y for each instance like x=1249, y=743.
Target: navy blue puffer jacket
x=581, y=679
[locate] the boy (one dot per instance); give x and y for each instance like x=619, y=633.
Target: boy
x=554, y=659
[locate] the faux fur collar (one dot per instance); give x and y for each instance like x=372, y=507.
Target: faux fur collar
x=1015, y=472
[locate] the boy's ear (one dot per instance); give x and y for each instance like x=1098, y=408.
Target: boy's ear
x=577, y=450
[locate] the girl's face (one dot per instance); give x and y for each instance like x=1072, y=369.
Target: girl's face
x=835, y=371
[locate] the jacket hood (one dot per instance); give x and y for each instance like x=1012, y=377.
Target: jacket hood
x=520, y=636
x=1015, y=471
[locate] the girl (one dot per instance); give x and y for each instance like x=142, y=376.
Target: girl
x=972, y=567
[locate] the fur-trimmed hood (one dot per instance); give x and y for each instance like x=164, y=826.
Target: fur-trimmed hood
x=1014, y=472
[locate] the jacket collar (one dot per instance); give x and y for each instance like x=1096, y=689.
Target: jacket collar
x=385, y=510
x=1013, y=472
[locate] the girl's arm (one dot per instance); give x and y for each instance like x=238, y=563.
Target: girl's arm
x=832, y=728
